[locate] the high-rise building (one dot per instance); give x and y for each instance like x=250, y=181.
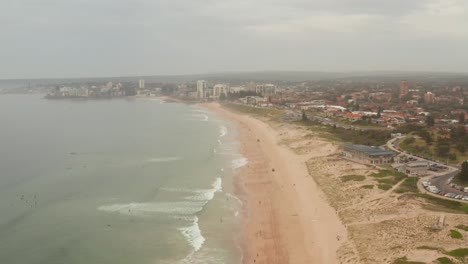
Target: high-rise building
x=220, y=89
x=429, y=98
x=201, y=88
x=404, y=88
x=265, y=89
x=141, y=84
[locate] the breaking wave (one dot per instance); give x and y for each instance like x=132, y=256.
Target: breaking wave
x=187, y=209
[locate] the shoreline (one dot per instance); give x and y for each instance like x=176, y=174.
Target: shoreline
x=285, y=215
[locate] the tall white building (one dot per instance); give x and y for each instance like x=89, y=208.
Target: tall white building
x=141, y=84
x=265, y=89
x=220, y=89
x=201, y=88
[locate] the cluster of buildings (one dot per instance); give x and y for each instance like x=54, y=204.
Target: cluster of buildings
x=106, y=90
x=92, y=91
x=205, y=91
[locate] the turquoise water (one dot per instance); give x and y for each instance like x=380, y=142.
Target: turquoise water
x=116, y=181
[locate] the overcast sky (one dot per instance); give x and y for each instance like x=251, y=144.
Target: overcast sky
x=86, y=38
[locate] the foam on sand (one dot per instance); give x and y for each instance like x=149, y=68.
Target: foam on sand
x=222, y=131
x=238, y=163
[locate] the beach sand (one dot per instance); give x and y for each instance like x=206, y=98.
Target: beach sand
x=287, y=217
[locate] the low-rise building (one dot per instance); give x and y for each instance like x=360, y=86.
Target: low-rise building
x=367, y=154
x=416, y=168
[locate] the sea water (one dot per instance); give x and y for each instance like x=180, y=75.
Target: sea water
x=116, y=181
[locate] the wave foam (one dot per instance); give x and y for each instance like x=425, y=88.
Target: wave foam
x=200, y=117
x=185, y=210
x=164, y=159
x=238, y=163
x=142, y=209
x=193, y=235
x=199, y=194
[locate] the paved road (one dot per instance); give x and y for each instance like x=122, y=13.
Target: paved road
x=438, y=179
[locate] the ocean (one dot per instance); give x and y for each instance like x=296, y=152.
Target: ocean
x=116, y=181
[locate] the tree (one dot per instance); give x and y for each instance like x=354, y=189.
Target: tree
x=464, y=172
x=379, y=112
x=442, y=149
x=430, y=120
x=461, y=148
x=222, y=97
x=461, y=118
x=304, y=116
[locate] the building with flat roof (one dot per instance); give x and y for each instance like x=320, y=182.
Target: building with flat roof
x=416, y=168
x=367, y=154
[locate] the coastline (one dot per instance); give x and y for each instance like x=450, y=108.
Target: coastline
x=286, y=216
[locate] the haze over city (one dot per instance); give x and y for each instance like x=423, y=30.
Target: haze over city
x=91, y=38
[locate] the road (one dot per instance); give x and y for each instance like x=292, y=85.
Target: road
x=438, y=179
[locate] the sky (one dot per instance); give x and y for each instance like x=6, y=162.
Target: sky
x=91, y=38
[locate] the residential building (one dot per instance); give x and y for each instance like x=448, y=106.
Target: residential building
x=404, y=88
x=265, y=89
x=429, y=98
x=201, y=88
x=220, y=89
x=141, y=84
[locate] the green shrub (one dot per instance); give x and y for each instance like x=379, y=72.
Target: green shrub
x=409, y=185
x=404, y=260
x=455, y=234
x=462, y=227
x=458, y=253
x=444, y=260
x=368, y=186
x=384, y=186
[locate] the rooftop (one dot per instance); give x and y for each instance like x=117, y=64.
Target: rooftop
x=371, y=151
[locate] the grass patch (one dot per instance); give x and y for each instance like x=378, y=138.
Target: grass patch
x=462, y=227
x=409, y=185
x=263, y=112
x=389, y=181
x=362, y=136
x=404, y=260
x=455, y=234
x=384, y=186
x=428, y=248
x=446, y=204
x=352, y=178
x=368, y=186
x=386, y=178
x=445, y=260
x=458, y=253
x=382, y=174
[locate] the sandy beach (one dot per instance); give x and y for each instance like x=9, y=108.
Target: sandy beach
x=287, y=218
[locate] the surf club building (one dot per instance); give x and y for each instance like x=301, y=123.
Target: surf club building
x=367, y=154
